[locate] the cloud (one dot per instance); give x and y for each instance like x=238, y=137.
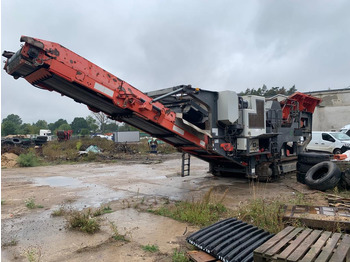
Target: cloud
x=214, y=45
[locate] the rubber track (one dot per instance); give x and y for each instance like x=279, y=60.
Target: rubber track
x=230, y=240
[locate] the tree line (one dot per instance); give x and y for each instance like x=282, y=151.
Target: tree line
x=268, y=92
x=96, y=123
x=99, y=122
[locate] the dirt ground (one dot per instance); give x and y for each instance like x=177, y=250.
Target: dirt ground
x=129, y=188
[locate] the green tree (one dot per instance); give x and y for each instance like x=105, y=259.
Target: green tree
x=11, y=125
x=8, y=128
x=41, y=124
x=102, y=120
x=26, y=129
x=78, y=124
x=271, y=92
x=64, y=127
x=15, y=119
x=291, y=90
x=264, y=91
x=91, y=123
x=111, y=127
x=35, y=129
x=84, y=132
x=126, y=127
x=54, y=126
x=282, y=91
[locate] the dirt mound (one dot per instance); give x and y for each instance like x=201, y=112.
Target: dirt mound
x=9, y=160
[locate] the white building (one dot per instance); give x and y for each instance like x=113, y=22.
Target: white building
x=333, y=112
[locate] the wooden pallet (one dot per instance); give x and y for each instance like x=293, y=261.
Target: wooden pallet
x=201, y=256
x=338, y=201
x=306, y=245
x=318, y=217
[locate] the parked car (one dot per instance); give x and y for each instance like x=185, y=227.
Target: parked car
x=346, y=130
x=332, y=142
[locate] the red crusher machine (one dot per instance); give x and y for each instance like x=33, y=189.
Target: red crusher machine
x=248, y=135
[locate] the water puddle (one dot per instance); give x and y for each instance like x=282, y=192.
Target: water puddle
x=91, y=195
x=58, y=181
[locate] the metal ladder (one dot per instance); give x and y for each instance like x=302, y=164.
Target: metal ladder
x=186, y=162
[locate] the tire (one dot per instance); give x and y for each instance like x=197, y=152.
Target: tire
x=337, y=151
x=323, y=176
x=214, y=171
x=16, y=141
x=301, y=177
x=264, y=171
x=217, y=174
x=7, y=143
x=345, y=179
x=313, y=158
x=303, y=168
x=41, y=138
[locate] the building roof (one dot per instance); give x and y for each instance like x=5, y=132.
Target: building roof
x=347, y=89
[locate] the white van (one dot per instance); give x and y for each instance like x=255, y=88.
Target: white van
x=332, y=142
x=346, y=130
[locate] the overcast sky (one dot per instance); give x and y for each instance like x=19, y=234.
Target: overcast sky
x=213, y=45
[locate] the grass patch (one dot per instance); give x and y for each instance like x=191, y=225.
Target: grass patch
x=97, y=212
x=116, y=235
x=58, y=152
x=27, y=160
x=83, y=221
x=150, y=248
x=107, y=209
x=267, y=214
x=179, y=256
x=12, y=243
x=299, y=199
x=263, y=214
x=202, y=212
x=78, y=145
x=102, y=210
x=59, y=212
x=30, y=203
x=33, y=254
x=341, y=192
